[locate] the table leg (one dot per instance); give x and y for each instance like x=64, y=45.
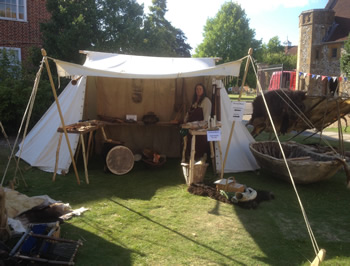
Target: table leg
x=89, y=147
x=222, y=164
x=191, y=166
x=104, y=133
x=84, y=158
x=184, y=150
x=212, y=156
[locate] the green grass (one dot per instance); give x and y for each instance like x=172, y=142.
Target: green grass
x=147, y=217
x=345, y=130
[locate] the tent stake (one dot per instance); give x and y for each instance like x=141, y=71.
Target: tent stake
x=319, y=258
x=43, y=52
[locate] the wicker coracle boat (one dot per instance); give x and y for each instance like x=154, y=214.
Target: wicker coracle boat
x=307, y=164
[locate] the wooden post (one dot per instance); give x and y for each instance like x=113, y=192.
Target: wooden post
x=193, y=152
x=57, y=156
x=319, y=258
x=250, y=52
x=89, y=149
x=84, y=158
x=43, y=52
x=212, y=156
x=184, y=149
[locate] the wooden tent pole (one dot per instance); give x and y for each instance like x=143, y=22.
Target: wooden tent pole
x=250, y=52
x=43, y=52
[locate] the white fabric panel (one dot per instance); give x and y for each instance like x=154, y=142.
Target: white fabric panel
x=239, y=157
x=149, y=69
x=40, y=145
x=145, y=64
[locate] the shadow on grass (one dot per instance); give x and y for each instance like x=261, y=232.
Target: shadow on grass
x=140, y=183
x=115, y=252
x=278, y=226
x=178, y=233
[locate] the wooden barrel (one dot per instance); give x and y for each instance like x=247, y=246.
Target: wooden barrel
x=120, y=160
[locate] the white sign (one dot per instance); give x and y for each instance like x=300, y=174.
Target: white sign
x=237, y=110
x=214, y=135
x=131, y=117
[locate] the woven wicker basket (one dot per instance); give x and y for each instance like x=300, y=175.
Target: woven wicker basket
x=229, y=185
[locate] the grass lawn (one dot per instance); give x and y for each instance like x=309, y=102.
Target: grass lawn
x=147, y=217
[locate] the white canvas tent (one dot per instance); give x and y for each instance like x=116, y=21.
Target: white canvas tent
x=107, y=85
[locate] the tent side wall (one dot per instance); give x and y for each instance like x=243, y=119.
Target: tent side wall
x=169, y=99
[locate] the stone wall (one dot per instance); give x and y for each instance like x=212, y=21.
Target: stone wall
x=316, y=56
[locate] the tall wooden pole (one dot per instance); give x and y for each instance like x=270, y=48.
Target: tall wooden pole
x=43, y=52
x=250, y=52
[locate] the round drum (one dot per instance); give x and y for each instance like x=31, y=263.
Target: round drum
x=120, y=160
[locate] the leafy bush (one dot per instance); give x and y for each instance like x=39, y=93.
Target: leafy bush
x=16, y=84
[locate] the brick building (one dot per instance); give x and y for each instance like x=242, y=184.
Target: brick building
x=322, y=34
x=20, y=25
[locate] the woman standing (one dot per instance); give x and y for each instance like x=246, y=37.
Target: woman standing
x=200, y=110
x=201, y=105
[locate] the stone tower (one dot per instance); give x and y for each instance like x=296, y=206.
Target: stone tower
x=314, y=25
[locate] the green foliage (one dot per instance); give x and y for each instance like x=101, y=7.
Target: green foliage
x=229, y=37
x=74, y=26
x=273, y=53
x=160, y=38
x=115, y=26
x=16, y=85
x=345, y=58
x=120, y=25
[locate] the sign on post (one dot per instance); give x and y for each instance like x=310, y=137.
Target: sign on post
x=238, y=110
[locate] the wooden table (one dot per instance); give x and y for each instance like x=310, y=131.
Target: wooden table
x=80, y=128
x=194, y=133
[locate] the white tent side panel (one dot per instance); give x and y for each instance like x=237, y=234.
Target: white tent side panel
x=239, y=157
x=40, y=145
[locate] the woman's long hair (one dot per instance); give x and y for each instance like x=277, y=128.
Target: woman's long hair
x=194, y=99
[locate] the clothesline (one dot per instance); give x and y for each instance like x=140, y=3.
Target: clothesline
x=314, y=76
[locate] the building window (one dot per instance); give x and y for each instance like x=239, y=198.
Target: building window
x=334, y=52
x=14, y=54
x=317, y=56
x=13, y=9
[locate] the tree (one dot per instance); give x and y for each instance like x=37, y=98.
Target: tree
x=274, y=45
x=345, y=58
x=120, y=25
x=73, y=26
x=15, y=87
x=229, y=37
x=109, y=25
x=160, y=37
x=273, y=53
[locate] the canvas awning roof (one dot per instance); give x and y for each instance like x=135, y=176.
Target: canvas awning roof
x=145, y=67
